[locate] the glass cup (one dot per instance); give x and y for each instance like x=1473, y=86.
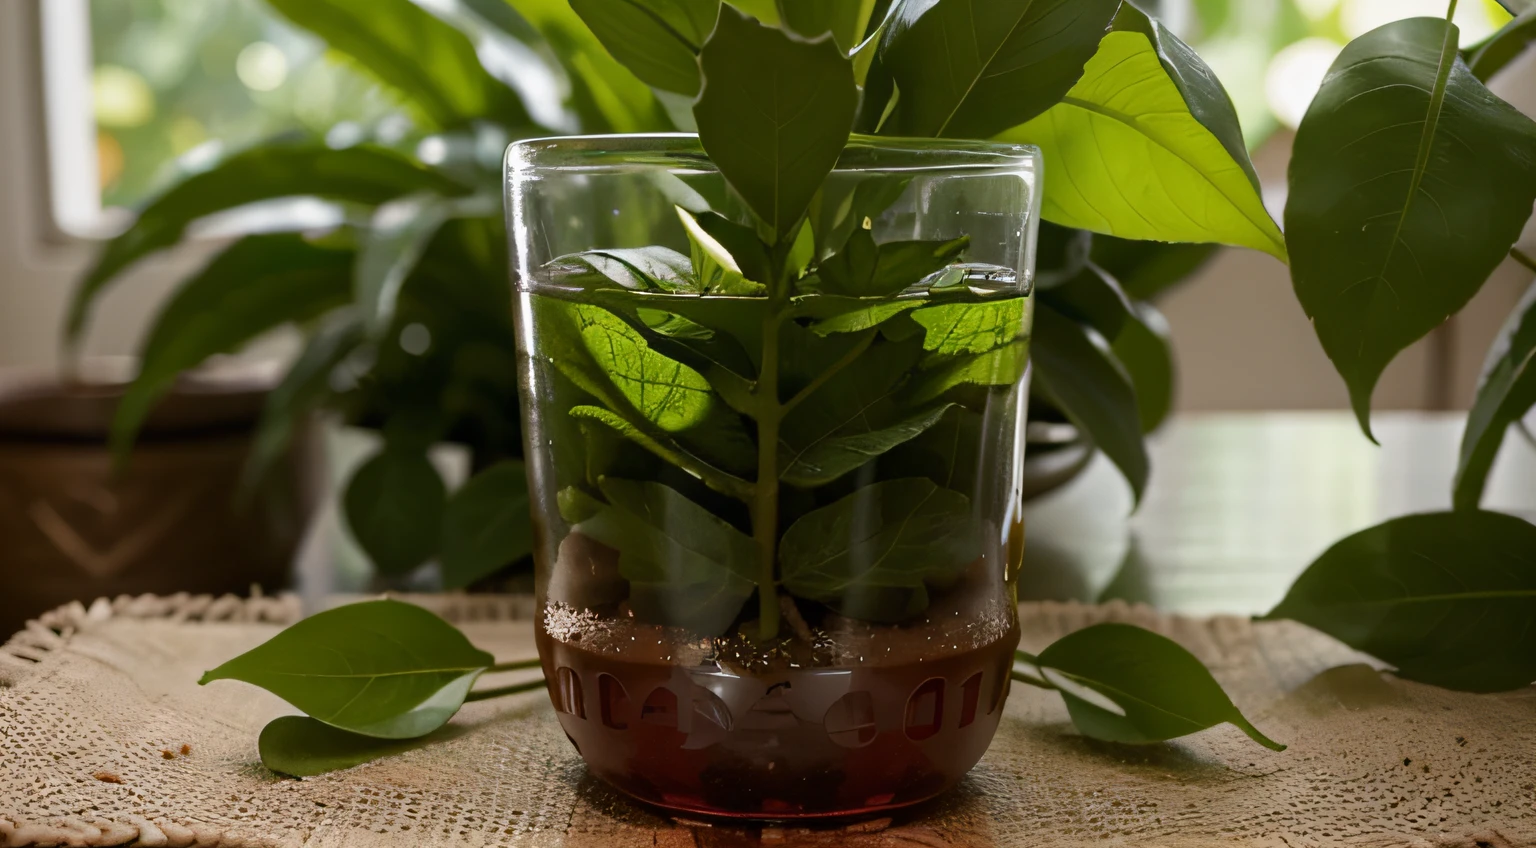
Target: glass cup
x=776, y=487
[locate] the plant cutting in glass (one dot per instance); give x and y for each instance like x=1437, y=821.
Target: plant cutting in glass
x=1410, y=184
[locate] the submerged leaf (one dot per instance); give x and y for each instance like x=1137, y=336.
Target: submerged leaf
x=875, y=554
x=686, y=567
x=380, y=668
x=1448, y=598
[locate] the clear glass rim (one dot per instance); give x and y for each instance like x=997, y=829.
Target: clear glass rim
x=681, y=152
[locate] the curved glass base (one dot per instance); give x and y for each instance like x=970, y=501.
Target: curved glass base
x=784, y=740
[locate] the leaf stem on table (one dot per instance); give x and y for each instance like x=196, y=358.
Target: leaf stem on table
x=519, y=665
x=503, y=691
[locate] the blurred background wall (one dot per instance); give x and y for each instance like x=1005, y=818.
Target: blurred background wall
x=102, y=102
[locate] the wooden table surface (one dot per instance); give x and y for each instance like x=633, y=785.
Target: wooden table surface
x=1241, y=503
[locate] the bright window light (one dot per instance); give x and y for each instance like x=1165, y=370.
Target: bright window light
x=1295, y=75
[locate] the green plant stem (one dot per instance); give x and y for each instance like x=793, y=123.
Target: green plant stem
x=503, y=691
x=1032, y=661
x=765, y=500
x=1520, y=256
x=823, y=377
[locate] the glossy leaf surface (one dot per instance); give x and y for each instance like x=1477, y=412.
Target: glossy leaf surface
x=1448, y=598
x=380, y=668
x=1504, y=46
x=657, y=40
x=1147, y=146
x=1409, y=183
x=1126, y=684
x=774, y=115
x=973, y=68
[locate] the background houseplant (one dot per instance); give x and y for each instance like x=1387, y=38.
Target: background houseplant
x=406, y=309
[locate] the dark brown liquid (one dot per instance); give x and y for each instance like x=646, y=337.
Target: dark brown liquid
x=781, y=743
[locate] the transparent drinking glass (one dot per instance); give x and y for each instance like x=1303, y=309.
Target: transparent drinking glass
x=776, y=488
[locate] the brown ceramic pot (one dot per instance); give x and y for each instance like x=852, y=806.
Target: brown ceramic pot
x=74, y=528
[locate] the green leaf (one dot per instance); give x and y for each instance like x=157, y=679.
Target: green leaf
x=864, y=317
x=486, y=525
x=302, y=390
x=1448, y=598
x=1061, y=253
x=1147, y=146
x=973, y=68
x=431, y=64
x=1409, y=183
x=1092, y=389
x=1125, y=684
x=967, y=328
x=1003, y=366
x=258, y=284
x=853, y=417
x=380, y=668
x=686, y=567
x=1507, y=392
x=1516, y=7
x=1091, y=297
x=636, y=269
x=766, y=11
x=658, y=40
x=774, y=115
x=864, y=269
x=715, y=265
x=362, y=174
x=300, y=746
x=875, y=554
x=845, y=19
x=1144, y=349
x=394, y=507
x=1505, y=46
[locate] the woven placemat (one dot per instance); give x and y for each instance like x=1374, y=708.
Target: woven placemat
x=96, y=704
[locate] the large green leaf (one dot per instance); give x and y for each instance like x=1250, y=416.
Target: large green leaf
x=1506, y=394
x=1092, y=389
x=380, y=668
x=1126, y=684
x=1147, y=146
x=258, y=284
x=1505, y=46
x=853, y=417
x=362, y=174
x=774, y=115
x=486, y=525
x=685, y=566
x=431, y=64
x=865, y=269
x=394, y=507
x=875, y=554
x=1093, y=298
x=973, y=68
x=1409, y=183
x=1448, y=598
x=658, y=40
x=845, y=19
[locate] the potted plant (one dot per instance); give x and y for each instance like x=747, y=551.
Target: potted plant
x=731, y=540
